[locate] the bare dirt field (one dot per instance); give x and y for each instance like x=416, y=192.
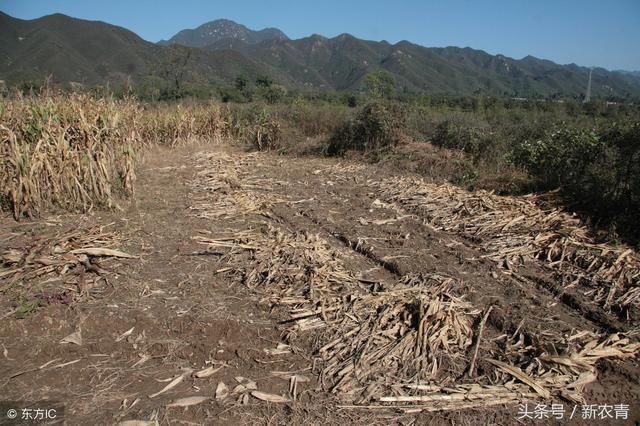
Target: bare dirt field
x=251, y=288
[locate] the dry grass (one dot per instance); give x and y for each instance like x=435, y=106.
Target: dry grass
x=418, y=331
x=265, y=134
x=223, y=190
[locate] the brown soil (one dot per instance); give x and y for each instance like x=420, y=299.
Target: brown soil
x=188, y=308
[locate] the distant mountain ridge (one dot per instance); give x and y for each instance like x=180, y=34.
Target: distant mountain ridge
x=220, y=30
x=215, y=53
x=633, y=73
x=342, y=62
x=93, y=52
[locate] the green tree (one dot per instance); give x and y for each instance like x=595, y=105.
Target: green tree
x=241, y=83
x=174, y=70
x=264, y=81
x=274, y=93
x=380, y=84
x=151, y=88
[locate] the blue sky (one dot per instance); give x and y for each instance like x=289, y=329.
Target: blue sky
x=587, y=32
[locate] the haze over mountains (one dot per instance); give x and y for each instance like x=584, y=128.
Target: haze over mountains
x=215, y=53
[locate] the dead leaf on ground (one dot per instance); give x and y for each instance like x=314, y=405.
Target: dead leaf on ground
x=74, y=338
x=222, y=391
x=281, y=349
x=269, y=397
x=125, y=334
x=188, y=401
x=171, y=385
x=209, y=371
x=97, y=251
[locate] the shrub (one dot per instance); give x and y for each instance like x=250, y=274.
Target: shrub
x=380, y=84
x=313, y=120
x=559, y=159
x=232, y=94
x=470, y=136
x=275, y=93
x=599, y=171
x=623, y=165
x=376, y=126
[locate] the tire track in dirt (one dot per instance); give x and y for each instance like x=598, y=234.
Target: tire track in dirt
x=356, y=246
x=573, y=301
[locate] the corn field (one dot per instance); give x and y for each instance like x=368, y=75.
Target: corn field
x=75, y=151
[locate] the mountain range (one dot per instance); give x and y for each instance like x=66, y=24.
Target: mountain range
x=94, y=52
x=222, y=30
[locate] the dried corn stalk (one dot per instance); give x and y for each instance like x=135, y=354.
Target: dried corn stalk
x=408, y=342
x=224, y=188
x=514, y=230
x=418, y=332
x=54, y=256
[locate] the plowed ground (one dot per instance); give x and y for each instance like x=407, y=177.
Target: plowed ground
x=207, y=226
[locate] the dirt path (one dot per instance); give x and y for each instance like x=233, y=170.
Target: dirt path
x=217, y=231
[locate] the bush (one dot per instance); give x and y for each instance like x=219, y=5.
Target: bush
x=376, y=126
x=472, y=137
x=313, y=120
x=560, y=159
x=232, y=94
x=598, y=171
x=622, y=167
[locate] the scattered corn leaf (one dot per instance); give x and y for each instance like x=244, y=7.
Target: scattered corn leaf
x=188, y=401
x=269, y=397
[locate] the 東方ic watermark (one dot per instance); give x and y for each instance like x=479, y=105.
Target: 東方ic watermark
x=21, y=412
x=584, y=412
